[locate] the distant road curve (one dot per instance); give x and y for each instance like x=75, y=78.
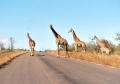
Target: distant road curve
x=45, y=68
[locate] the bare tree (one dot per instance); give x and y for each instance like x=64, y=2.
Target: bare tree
x=12, y=41
x=2, y=46
x=92, y=47
x=117, y=37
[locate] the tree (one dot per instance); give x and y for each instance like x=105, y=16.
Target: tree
x=71, y=48
x=12, y=41
x=2, y=46
x=117, y=37
x=92, y=47
x=117, y=50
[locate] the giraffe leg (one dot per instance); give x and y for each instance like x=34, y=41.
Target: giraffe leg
x=102, y=51
x=76, y=48
x=107, y=52
x=66, y=49
x=32, y=51
x=58, y=51
x=84, y=49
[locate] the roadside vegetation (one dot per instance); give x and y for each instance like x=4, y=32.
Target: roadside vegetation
x=112, y=60
x=7, y=54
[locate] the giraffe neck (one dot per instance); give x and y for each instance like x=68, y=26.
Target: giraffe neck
x=55, y=33
x=99, y=42
x=74, y=36
x=29, y=38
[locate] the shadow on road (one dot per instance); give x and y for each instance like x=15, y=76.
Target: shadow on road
x=40, y=55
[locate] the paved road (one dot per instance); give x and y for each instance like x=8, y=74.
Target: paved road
x=45, y=68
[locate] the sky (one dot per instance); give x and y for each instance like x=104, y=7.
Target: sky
x=86, y=17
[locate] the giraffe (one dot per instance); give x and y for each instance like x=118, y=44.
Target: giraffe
x=103, y=47
x=60, y=41
x=77, y=41
x=31, y=44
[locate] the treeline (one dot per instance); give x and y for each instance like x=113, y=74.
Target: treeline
x=91, y=46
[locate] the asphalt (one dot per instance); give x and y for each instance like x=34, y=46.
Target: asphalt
x=45, y=68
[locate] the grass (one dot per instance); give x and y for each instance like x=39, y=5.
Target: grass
x=111, y=60
x=6, y=57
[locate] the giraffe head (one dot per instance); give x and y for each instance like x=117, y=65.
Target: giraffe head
x=71, y=30
x=27, y=34
x=94, y=37
x=51, y=26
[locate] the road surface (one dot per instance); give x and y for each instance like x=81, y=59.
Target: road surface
x=45, y=68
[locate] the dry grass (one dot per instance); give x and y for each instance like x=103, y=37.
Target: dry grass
x=5, y=57
x=113, y=61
